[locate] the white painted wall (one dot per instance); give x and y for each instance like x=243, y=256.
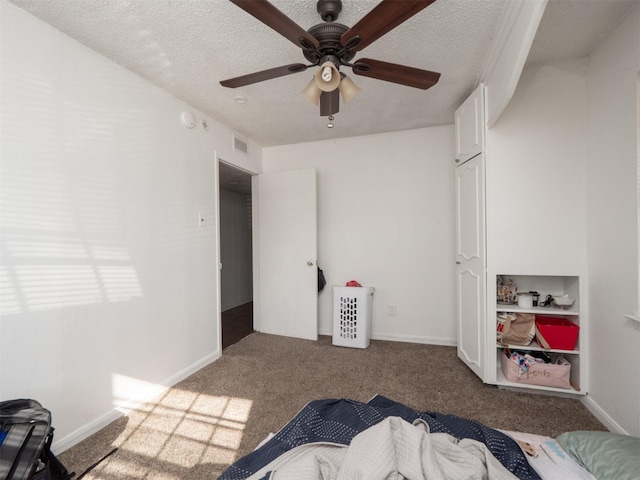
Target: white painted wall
x=386, y=219
x=109, y=288
x=536, y=176
x=613, y=190
x=235, y=250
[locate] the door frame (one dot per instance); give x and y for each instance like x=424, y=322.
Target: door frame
x=255, y=252
x=254, y=237
x=255, y=247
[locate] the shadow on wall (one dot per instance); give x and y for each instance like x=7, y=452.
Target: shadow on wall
x=58, y=244
x=89, y=191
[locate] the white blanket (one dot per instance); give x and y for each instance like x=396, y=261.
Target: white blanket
x=390, y=450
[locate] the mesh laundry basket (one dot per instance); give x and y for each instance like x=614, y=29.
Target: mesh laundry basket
x=352, y=316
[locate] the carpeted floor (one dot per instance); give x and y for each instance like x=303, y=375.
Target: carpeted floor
x=203, y=424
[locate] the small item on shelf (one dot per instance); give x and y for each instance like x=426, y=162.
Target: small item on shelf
x=515, y=328
x=525, y=300
x=564, y=301
x=506, y=290
x=548, y=301
x=536, y=297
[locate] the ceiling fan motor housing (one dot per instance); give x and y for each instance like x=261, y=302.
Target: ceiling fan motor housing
x=328, y=34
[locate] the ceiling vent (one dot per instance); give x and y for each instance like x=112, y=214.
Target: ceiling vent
x=239, y=145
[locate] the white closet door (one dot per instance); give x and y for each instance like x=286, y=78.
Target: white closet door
x=470, y=259
x=287, y=239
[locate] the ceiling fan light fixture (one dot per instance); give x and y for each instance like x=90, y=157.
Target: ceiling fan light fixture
x=348, y=89
x=327, y=77
x=331, y=45
x=311, y=92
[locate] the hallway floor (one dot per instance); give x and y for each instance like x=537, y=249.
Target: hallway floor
x=237, y=323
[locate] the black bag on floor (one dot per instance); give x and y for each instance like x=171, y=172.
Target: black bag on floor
x=25, y=443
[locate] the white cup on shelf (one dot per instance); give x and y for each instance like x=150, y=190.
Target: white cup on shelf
x=525, y=300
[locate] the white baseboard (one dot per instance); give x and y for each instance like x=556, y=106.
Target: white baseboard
x=602, y=415
x=126, y=405
x=392, y=337
x=68, y=441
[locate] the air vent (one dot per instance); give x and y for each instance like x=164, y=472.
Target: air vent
x=239, y=145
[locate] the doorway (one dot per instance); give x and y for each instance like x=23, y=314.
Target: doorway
x=236, y=276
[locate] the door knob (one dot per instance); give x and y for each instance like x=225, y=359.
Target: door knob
x=310, y=263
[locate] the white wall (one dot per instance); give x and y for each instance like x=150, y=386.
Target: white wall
x=108, y=286
x=612, y=80
x=235, y=250
x=536, y=176
x=386, y=219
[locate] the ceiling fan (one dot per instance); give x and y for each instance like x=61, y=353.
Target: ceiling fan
x=331, y=45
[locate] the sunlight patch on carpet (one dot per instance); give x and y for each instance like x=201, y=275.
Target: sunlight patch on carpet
x=178, y=431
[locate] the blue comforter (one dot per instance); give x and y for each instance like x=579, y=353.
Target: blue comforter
x=338, y=421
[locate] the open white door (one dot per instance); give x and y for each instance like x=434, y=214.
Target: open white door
x=287, y=253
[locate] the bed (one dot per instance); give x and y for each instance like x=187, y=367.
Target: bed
x=383, y=439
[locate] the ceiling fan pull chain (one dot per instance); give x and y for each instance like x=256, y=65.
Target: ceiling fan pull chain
x=330, y=124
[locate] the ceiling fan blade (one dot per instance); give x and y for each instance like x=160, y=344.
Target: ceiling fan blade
x=384, y=17
x=329, y=103
x=274, y=18
x=391, y=72
x=263, y=75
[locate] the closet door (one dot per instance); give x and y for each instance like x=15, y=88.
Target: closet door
x=287, y=254
x=470, y=263
x=469, y=125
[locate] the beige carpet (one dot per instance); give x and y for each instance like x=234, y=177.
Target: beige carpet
x=203, y=424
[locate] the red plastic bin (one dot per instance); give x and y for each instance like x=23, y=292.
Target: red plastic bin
x=556, y=333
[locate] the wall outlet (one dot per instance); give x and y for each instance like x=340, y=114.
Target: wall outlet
x=391, y=310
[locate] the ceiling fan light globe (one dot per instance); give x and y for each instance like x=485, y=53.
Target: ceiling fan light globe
x=333, y=80
x=312, y=93
x=348, y=89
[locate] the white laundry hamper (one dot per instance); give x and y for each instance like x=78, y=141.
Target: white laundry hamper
x=352, y=316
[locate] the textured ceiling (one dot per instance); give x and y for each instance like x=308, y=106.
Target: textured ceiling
x=573, y=28
x=188, y=46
